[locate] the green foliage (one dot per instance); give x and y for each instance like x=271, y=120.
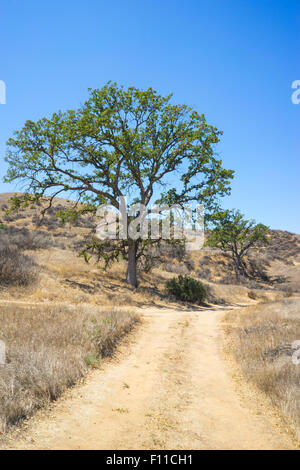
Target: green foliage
x=93, y=360
x=120, y=139
x=186, y=288
x=120, y=142
x=72, y=215
x=233, y=233
x=22, y=201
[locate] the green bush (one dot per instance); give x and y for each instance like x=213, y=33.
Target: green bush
x=186, y=288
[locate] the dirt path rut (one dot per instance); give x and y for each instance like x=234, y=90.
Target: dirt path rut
x=169, y=388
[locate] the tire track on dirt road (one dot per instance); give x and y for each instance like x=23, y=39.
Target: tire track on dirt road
x=168, y=387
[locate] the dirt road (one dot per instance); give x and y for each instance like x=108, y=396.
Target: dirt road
x=169, y=388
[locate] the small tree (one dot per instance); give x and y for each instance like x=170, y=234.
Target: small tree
x=131, y=143
x=235, y=234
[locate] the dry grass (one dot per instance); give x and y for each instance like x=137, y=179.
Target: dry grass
x=261, y=338
x=277, y=264
x=16, y=268
x=49, y=348
x=24, y=239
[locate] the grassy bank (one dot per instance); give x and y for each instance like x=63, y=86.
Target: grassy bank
x=261, y=337
x=49, y=348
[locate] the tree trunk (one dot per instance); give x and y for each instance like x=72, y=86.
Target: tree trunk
x=131, y=267
x=239, y=269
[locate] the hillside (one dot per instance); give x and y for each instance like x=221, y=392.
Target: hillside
x=61, y=317
x=65, y=276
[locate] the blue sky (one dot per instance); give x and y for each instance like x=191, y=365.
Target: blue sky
x=233, y=60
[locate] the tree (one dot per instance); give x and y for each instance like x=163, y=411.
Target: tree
x=233, y=233
x=131, y=143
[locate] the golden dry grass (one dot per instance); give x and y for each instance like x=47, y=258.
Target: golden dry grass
x=260, y=339
x=51, y=344
x=279, y=262
x=49, y=348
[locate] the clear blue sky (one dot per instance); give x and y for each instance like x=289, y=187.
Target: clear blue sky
x=233, y=60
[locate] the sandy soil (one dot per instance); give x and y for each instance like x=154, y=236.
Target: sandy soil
x=169, y=387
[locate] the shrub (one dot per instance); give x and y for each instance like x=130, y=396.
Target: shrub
x=252, y=295
x=15, y=267
x=186, y=288
x=23, y=238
